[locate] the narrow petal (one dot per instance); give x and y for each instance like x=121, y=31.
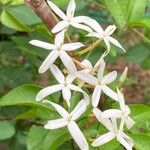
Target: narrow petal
x=101, y=70
x=94, y=34
x=60, y=26
x=124, y=143
x=90, y=22
x=72, y=46
x=116, y=43
x=78, y=136
x=116, y=113
x=56, y=124
x=107, y=44
x=87, y=78
x=103, y=139
x=96, y=96
x=106, y=122
x=67, y=61
x=58, y=108
x=128, y=139
x=107, y=79
x=71, y=9
x=57, y=10
x=59, y=39
x=57, y=74
x=70, y=78
x=48, y=91
x=66, y=95
x=87, y=64
x=110, y=30
x=48, y=61
x=121, y=100
x=78, y=110
x=42, y=44
x=81, y=26
x=129, y=122
x=109, y=92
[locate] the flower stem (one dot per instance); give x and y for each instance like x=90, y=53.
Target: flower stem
x=90, y=48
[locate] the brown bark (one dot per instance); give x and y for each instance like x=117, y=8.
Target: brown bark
x=41, y=8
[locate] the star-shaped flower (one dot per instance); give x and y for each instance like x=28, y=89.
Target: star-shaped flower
x=123, y=113
x=105, y=35
x=69, y=121
x=59, y=49
x=100, y=83
x=114, y=132
x=68, y=18
x=65, y=85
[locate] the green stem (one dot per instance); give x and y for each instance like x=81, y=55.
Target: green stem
x=90, y=48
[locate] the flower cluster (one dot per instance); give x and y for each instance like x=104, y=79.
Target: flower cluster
x=113, y=119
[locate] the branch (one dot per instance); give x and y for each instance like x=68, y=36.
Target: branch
x=41, y=8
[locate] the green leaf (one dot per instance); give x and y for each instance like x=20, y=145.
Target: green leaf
x=146, y=63
x=137, y=9
x=141, y=141
x=119, y=10
x=11, y=21
x=17, y=2
x=143, y=22
x=23, y=95
x=7, y=130
x=137, y=54
x=35, y=138
x=4, y=1
x=42, y=139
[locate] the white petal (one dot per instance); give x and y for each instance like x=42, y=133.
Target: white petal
x=57, y=10
x=110, y=30
x=116, y=43
x=81, y=26
x=48, y=91
x=78, y=110
x=107, y=44
x=116, y=113
x=60, y=26
x=121, y=100
x=128, y=139
x=72, y=46
x=101, y=70
x=87, y=64
x=87, y=78
x=48, y=61
x=124, y=143
x=103, y=139
x=94, y=34
x=56, y=124
x=57, y=73
x=71, y=9
x=66, y=95
x=107, y=79
x=67, y=61
x=129, y=122
x=90, y=22
x=96, y=96
x=59, y=39
x=43, y=44
x=75, y=88
x=70, y=78
x=78, y=136
x=109, y=92
x=58, y=108
x=106, y=122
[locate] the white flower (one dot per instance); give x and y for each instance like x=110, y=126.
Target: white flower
x=105, y=35
x=65, y=85
x=68, y=18
x=69, y=121
x=114, y=132
x=58, y=50
x=100, y=83
x=123, y=113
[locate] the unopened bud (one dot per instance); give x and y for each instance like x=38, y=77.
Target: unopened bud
x=124, y=75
